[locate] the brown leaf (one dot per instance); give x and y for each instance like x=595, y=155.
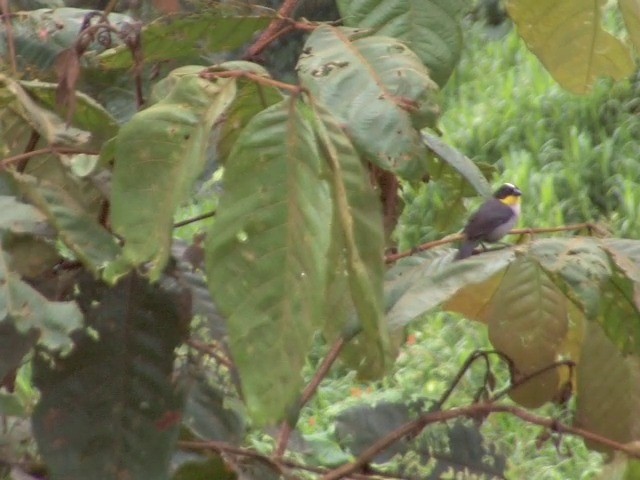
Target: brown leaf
x=167, y=6
x=67, y=67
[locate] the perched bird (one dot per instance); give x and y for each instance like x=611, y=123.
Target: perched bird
x=493, y=220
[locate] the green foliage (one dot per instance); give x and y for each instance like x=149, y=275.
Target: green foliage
x=592, y=52
x=125, y=422
x=346, y=71
x=120, y=322
x=159, y=154
x=431, y=29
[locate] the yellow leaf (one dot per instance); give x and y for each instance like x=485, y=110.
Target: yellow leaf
x=631, y=15
x=568, y=39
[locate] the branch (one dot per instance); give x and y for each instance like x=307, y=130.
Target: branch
x=212, y=74
x=471, y=411
x=518, y=231
x=209, y=350
x=4, y=7
x=526, y=378
x=5, y=162
x=465, y=366
x=271, y=32
x=222, y=447
x=197, y=218
x=309, y=392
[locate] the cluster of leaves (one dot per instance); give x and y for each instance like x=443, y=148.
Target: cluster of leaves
x=96, y=290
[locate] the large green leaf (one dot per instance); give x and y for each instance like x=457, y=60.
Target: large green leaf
x=579, y=264
x=608, y=389
x=188, y=36
x=110, y=410
x=88, y=115
x=266, y=254
x=51, y=127
x=377, y=88
x=159, y=154
x=359, y=237
x=432, y=288
x=619, y=314
x=431, y=28
x=14, y=345
x=569, y=40
x=29, y=311
x=251, y=99
x=456, y=161
x=64, y=205
x=630, y=10
x=19, y=217
x=528, y=321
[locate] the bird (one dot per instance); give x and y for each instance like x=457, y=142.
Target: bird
x=492, y=221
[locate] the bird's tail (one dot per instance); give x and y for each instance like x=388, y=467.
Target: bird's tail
x=466, y=249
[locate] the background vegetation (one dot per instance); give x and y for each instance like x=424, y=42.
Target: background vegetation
x=574, y=157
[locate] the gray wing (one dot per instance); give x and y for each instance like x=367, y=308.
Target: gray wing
x=489, y=216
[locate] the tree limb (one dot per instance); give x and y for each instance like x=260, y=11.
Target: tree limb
x=471, y=411
x=271, y=32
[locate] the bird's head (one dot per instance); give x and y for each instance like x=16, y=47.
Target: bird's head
x=508, y=194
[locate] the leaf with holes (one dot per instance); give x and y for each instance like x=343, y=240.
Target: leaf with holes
x=266, y=252
x=159, y=154
x=110, y=409
x=431, y=28
x=378, y=89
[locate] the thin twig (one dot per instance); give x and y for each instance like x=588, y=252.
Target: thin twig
x=109, y=8
x=309, y=392
x=269, y=34
x=31, y=144
x=4, y=6
x=5, y=162
x=463, y=369
x=526, y=378
x=222, y=447
x=518, y=231
x=209, y=350
x=471, y=411
x=212, y=74
x=197, y=218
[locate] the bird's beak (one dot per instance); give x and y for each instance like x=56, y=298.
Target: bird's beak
x=517, y=192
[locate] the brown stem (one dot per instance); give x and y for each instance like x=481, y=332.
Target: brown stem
x=209, y=74
x=31, y=144
x=269, y=34
x=465, y=366
x=197, y=218
x=309, y=392
x=222, y=447
x=518, y=231
x=526, y=378
x=471, y=411
x=209, y=350
x=4, y=7
x=5, y=162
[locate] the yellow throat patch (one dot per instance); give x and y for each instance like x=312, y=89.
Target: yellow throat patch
x=511, y=200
